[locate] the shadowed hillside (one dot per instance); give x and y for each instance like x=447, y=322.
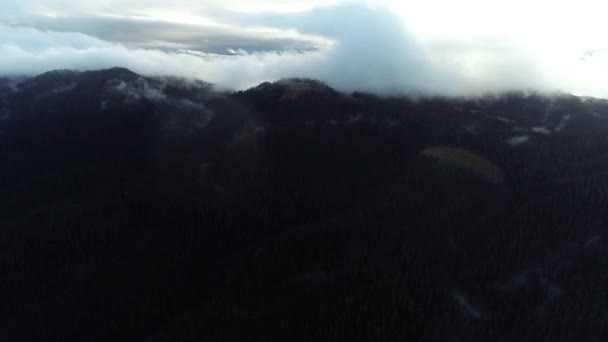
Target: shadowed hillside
x=163, y=209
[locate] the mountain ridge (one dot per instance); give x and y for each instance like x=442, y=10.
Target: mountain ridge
x=164, y=209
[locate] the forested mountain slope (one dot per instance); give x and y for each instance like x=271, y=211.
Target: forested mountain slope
x=163, y=209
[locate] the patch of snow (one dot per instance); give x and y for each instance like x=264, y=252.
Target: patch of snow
x=500, y=118
x=465, y=303
x=518, y=140
x=470, y=128
x=541, y=130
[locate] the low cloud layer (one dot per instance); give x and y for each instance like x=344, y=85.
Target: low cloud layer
x=350, y=46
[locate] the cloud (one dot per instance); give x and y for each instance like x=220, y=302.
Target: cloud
x=351, y=46
x=205, y=35
x=144, y=7
x=30, y=51
x=376, y=56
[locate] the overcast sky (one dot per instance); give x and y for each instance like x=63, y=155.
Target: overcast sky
x=385, y=46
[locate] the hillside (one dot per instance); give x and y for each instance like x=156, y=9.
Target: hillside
x=164, y=209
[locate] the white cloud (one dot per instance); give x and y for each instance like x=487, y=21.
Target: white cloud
x=138, y=7
x=445, y=48
x=29, y=51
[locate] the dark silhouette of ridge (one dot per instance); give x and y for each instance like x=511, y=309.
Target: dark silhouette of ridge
x=163, y=209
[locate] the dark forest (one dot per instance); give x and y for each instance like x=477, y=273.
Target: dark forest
x=164, y=209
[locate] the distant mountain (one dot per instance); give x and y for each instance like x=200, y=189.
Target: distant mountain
x=163, y=209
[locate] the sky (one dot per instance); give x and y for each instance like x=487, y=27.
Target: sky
x=466, y=47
